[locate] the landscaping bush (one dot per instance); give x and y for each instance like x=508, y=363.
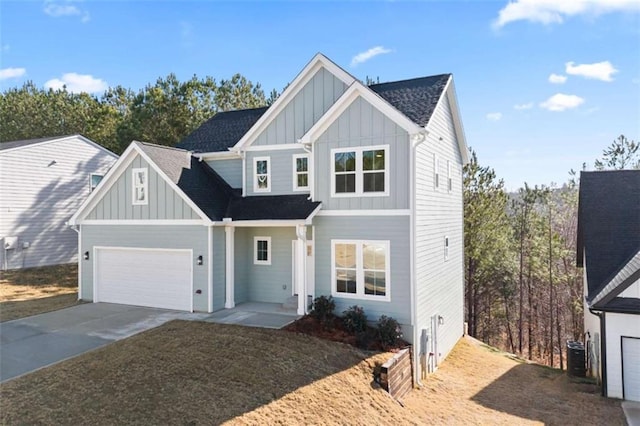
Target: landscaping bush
x=323, y=308
x=355, y=321
x=389, y=331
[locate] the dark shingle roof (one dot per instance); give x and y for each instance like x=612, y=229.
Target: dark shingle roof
x=608, y=224
x=213, y=195
x=26, y=142
x=416, y=98
x=625, y=305
x=222, y=131
x=272, y=207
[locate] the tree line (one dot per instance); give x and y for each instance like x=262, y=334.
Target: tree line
x=523, y=291
x=163, y=113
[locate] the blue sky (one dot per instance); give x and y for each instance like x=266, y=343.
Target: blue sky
x=543, y=85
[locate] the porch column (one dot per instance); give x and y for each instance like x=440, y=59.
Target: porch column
x=229, y=267
x=301, y=268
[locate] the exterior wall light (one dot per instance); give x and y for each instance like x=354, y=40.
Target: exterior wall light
x=200, y=260
x=86, y=255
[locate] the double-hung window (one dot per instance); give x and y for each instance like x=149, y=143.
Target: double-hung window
x=140, y=187
x=301, y=172
x=262, y=174
x=360, y=269
x=262, y=250
x=360, y=171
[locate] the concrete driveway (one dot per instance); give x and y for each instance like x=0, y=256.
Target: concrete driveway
x=31, y=343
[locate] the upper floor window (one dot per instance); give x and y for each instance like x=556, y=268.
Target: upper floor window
x=360, y=171
x=94, y=180
x=446, y=248
x=140, y=187
x=300, y=172
x=262, y=174
x=449, y=179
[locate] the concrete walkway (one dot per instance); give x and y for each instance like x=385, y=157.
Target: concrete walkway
x=632, y=411
x=29, y=344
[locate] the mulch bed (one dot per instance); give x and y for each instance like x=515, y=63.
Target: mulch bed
x=334, y=330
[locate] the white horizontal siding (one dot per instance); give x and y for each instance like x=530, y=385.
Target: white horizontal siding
x=39, y=196
x=618, y=325
x=439, y=213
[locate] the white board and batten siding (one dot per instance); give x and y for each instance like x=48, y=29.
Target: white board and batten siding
x=42, y=187
x=164, y=203
x=622, y=332
x=439, y=214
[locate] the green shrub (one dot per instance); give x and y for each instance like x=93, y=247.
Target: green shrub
x=354, y=319
x=389, y=331
x=323, y=308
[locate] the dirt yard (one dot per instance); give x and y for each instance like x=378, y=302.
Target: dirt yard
x=199, y=374
x=25, y=292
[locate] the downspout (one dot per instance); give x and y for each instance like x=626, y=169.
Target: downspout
x=77, y=229
x=311, y=169
x=603, y=349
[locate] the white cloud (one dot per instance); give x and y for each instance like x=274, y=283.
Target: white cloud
x=6, y=73
x=57, y=9
x=363, y=57
x=598, y=71
x=555, y=11
x=557, y=78
x=77, y=83
x=494, y=116
x=561, y=102
x=521, y=107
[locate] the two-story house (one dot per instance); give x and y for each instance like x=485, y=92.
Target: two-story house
x=336, y=189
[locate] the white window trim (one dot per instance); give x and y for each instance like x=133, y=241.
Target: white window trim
x=436, y=172
x=255, y=251
x=360, y=271
x=360, y=173
x=296, y=172
x=446, y=248
x=91, y=175
x=145, y=186
x=449, y=178
x=255, y=175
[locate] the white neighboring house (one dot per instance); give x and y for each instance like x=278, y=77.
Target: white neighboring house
x=609, y=252
x=43, y=182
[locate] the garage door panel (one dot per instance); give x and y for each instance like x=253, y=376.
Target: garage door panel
x=631, y=368
x=144, y=277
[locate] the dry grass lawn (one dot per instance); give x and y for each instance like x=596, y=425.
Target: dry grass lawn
x=32, y=291
x=195, y=373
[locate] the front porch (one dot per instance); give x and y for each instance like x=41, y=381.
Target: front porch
x=256, y=314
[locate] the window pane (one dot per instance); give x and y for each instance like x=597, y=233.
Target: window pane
x=140, y=193
x=303, y=180
x=345, y=161
x=345, y=255
x=373, y=160
x=301, y=164
x=346, y=183
x=346, y=281
x=95, y=180
x=373, y=182
x=261, y=167
x=263, y=182
x=374, y=256
x=375, y=283
x=262, y=250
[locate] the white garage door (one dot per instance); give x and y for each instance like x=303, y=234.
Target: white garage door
x=144, y=277
x=631, y=368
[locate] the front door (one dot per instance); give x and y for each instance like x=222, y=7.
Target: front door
x=310, y=268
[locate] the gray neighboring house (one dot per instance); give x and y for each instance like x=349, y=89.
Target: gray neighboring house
x=336, y=189
x=609, y=251
x=43, y=183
